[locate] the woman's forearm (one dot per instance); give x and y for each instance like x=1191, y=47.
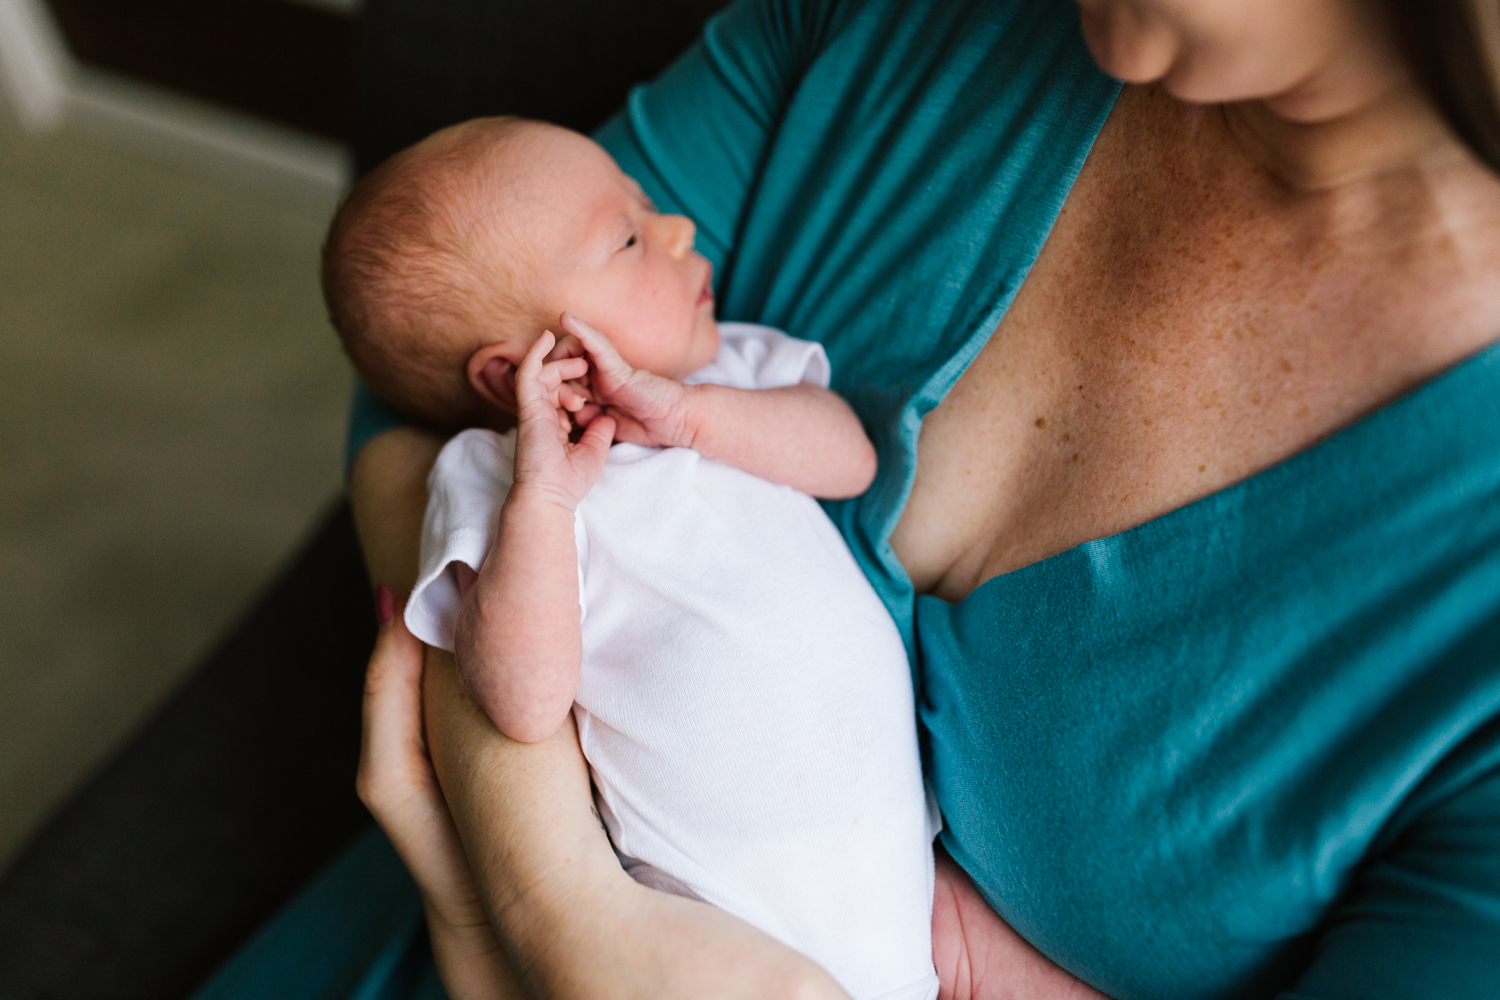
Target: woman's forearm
x=524, y=812
x=469, y=961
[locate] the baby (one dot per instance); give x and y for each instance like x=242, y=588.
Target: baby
x=741, y=694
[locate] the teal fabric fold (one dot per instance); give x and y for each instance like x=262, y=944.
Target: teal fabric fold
x=355, y=933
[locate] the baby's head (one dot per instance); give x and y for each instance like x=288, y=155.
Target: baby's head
x=446, y=262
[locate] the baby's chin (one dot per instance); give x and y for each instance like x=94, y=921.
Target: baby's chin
x=707, y=346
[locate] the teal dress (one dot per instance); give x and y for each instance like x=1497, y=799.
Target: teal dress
x=1251, y=748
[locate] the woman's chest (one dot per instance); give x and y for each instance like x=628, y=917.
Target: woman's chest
x=1183, y=328
x=1164, y=755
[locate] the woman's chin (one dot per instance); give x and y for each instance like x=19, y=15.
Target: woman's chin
x=1135, y=60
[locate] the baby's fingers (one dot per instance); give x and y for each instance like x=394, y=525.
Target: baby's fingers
x=595, y=442
x=532, y=377
x=587, y=414
x=547, y=377
x=567, y=347
x=531, y=365
x=606, y=358
x=568, y=369
x=571, y=399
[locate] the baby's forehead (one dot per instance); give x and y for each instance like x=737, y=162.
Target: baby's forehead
x=532, y=154
x=559, y=190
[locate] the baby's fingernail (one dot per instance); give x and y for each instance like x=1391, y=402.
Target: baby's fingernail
x=385, y=604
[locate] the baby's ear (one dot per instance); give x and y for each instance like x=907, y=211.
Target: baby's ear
x=493, y=376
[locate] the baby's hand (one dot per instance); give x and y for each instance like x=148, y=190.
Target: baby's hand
x=648, y=408
x=548, y=463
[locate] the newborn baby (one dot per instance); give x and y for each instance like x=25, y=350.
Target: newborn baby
x=741, y=694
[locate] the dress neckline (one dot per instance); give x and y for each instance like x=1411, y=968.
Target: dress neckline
x=1449, y=385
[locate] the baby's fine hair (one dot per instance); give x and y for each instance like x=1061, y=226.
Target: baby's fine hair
x=414, y=278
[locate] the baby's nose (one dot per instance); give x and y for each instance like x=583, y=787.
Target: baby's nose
x=679, y=234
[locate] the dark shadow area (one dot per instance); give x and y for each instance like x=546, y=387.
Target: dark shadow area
x=422, y=65
x=231, y=796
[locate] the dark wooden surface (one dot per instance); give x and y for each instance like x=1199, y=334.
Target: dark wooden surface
x=284, y=61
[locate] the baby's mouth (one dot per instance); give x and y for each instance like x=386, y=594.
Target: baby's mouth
x=707, y=295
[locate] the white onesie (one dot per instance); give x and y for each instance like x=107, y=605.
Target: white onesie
x=745, y=702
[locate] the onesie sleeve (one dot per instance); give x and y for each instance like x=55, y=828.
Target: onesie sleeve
x=696, y=138
x=1423, y=918
x=759, y=357
x=468, y=484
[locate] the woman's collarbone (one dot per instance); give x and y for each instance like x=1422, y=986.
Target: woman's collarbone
x=1063, y=432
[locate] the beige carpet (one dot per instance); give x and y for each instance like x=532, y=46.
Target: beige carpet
x=171, y=412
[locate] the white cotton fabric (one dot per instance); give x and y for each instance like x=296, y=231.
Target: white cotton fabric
x=745, y=701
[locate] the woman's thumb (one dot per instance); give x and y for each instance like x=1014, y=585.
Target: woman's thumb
x=396, y=661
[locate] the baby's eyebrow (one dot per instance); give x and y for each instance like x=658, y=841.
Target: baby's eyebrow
x=640, y=194
x=613, y=233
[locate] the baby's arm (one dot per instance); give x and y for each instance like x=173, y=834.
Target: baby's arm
x=518, y=642
x=803, y=436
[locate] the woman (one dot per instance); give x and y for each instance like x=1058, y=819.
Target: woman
x=1190, y=435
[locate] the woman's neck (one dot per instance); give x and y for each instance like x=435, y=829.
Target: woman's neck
x=1396, y=131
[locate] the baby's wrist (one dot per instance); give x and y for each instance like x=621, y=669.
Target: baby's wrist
x=532, y=499
x=695, y=417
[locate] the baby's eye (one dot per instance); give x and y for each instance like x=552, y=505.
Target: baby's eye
x=629, y=243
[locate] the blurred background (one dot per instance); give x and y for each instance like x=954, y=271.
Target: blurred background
x=173, y=399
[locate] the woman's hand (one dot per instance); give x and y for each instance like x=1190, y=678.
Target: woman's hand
x=396, y=782
x=979, y=957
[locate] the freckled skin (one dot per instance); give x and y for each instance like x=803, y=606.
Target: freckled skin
x=1190, y=322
